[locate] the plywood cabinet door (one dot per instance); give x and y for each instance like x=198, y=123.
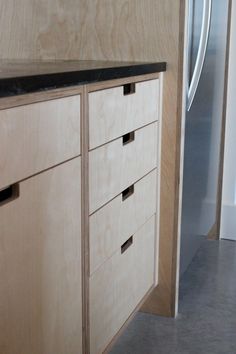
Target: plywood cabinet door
x=37, y=136
x=40, y=265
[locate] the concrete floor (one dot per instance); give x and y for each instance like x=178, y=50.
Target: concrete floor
x=207, y=311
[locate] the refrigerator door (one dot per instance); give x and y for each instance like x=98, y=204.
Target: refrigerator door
x=202, y=47
x=203, y=130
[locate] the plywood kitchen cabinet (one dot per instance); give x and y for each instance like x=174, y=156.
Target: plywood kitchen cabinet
x=139, y=30
x=123, y=185
x=79, y=213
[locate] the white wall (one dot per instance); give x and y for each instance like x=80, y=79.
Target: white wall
x=228, y=217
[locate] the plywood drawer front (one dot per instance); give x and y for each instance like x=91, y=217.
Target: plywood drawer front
x=112, y=225
x=40, y=265
x=114, y=166
x=119, y=285
x=37, y=136
x=112, y=114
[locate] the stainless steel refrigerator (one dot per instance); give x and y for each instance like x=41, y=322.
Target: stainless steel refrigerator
x=207, y=41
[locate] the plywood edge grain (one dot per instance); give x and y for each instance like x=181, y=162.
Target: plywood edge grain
x=179, y=161
x=47, y=95
x=163, y=300
x=85, y=219
x=212, y=234
x=50, y=94
x=158, y=181
x=119, y=82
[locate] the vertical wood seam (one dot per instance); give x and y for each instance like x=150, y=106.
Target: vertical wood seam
x=85, y=219
x=176, y=221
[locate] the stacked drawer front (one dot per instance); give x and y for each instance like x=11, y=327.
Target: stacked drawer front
x=112, y=113
x=123, y=141
x=113, y=224
x=119, y=285
x=114, y=167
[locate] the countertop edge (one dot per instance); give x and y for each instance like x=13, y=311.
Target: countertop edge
x=43, y=82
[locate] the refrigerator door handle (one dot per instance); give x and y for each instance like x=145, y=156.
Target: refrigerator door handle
x=205, y=30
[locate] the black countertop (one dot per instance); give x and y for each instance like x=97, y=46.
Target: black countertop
x=20, y=77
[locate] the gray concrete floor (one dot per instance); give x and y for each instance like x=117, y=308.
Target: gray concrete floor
x=207, y=312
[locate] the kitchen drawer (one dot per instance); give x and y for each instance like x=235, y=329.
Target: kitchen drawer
x=112, y=225
x=113, y=114
x=119, y=285
x=37, y=136
x=117, y=165
x=40, y=264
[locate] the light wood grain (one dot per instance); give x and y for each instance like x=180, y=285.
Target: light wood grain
x=103, y=85
x=113, y=114
x=114, y=167
x=127, y=322
x=143, y=208
x=140, y=30
x=35, y=29
x=129, y=275
x=37, y=136
x=149, y=30
x=112, y=225
x=47, y=95
x=40, y=265
x=164, y=298
x=85, y=219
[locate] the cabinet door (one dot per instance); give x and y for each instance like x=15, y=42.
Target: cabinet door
x=37, y=136
x=40, y=264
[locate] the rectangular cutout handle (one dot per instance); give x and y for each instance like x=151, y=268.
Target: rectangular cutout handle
x=9, y=193
x=129, y=89
x=127, y=192
x=127, y=244
x=128, y=138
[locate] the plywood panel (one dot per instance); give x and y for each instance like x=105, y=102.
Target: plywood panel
x=119, y=285
x=89, y=29
x=32, y=29
x=113, y=114
x=37, y=136
x=113, y=167
x=40, y=265
x=113, y=224
x=150, y=30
